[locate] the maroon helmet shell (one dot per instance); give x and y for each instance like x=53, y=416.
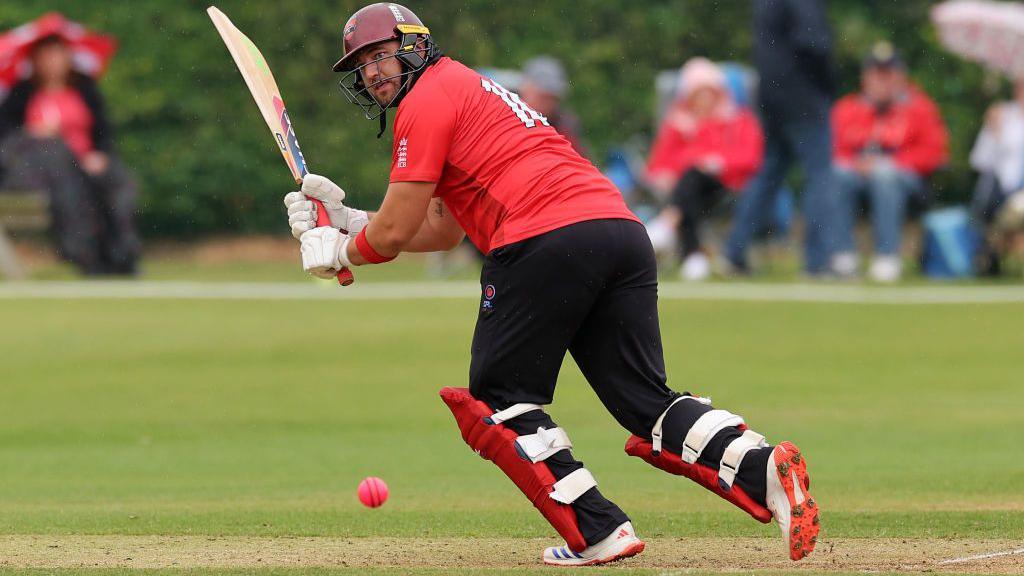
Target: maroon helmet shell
x=375, y=23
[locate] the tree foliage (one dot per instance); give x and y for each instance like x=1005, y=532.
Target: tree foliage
x=207, y=165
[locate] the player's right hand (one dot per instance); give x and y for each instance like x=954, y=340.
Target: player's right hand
x=302, y=212
x=323, y=251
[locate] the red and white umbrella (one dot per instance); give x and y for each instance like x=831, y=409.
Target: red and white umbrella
x=90, y=52
x=984, y=31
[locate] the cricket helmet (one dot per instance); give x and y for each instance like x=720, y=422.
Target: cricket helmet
x=377, y=23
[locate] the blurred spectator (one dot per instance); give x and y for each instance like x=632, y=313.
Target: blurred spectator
x=793, y=56
x=889, y=137
x=54, y=135
x=707, y=147
x=998, y=156
x=543, y=88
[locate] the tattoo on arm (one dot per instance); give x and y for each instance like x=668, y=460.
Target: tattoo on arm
x=439, y=208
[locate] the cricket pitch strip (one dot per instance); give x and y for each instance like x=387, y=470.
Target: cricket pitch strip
x=665, y=554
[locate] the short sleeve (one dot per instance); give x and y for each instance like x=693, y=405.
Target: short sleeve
x=424, y=128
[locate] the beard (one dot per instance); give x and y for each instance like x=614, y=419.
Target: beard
x=385, y=93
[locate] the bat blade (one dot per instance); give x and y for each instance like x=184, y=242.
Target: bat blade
x=260, y=80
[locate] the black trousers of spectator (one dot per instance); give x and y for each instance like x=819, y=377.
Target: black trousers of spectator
x=591, y=289
x=988, y=199
x=93, y=215
x=696, y=194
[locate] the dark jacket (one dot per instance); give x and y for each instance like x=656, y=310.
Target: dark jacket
x=13, y=107
x=793, y=53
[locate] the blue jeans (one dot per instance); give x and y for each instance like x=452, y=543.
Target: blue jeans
x=887, y=189
x=810, y=142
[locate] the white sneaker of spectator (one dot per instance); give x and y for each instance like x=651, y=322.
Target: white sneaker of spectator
x=696, y=267
x=846, y=264
x=662, y=234
x=886, y=269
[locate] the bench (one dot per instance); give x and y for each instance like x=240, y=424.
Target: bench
x=20, y=211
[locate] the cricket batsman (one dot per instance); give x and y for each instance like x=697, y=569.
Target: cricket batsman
x=568, y=268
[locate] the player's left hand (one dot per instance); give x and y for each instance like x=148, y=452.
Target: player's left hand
x=323, y=251
x=302, y=213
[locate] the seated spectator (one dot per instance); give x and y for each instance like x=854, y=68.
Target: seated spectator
x=54, y=135
x=998, y=156
x=543, y=87
x=887, y=138
x=707, y=148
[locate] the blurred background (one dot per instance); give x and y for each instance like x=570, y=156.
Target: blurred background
x=205, y=169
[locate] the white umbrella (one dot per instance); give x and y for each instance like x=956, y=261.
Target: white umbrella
x=984, y=31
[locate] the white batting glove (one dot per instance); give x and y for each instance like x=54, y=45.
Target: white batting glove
x=324, y=251
x=302, y=212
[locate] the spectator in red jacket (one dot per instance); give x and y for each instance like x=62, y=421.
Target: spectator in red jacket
x=55, y=136
x=707, y=147
x=887, y=139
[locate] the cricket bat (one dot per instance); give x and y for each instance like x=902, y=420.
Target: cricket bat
x=263, y=88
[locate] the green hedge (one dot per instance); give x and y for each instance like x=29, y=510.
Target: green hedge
x=208, y=166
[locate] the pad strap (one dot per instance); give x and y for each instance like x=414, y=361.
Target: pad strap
x=704, y=429
x=734, y=454
x=656, y=432
x=568, y=489
x=511, y=412
x=538, y=447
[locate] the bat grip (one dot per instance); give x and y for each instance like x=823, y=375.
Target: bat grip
x=345, y=276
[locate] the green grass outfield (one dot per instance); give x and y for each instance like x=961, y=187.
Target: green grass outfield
x=256, y=418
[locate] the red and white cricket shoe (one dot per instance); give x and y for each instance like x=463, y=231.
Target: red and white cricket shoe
x=791, y=504
x=622, y=543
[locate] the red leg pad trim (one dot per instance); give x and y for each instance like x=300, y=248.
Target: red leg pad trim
x=497, y=443
x=699, y=473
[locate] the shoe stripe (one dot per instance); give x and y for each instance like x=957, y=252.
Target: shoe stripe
x=555, y=552
x=578, y=555
x=798, y=493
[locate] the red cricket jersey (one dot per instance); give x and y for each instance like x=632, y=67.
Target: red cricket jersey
x=502, y=171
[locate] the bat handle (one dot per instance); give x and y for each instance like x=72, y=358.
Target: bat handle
x=345, y=276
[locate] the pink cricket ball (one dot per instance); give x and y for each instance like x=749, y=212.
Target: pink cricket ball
x=373, y=492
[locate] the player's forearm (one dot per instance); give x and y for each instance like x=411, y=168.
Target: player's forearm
x=391, y=230
x=430, y=239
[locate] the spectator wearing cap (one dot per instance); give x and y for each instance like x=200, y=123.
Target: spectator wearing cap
x=889, y=137
x=793, y=46
x=544, y=87
x=707, y=148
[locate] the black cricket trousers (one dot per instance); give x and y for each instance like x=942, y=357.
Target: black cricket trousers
x=591, y=289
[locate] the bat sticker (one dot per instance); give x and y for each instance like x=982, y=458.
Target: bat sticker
x=289, y=136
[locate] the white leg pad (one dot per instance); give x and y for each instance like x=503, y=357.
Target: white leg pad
x=511, y=412
x=734, y=454
x=704, y=429
x=544, y=443
x=656, y=432
x=568, y=489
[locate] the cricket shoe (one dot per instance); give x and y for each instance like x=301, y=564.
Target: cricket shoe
x=791, y=504
x=621, y=543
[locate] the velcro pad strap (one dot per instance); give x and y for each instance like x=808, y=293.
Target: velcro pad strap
x=511, y=412
x=656, y=431
x=734, y=454
x=568, y=489
x=704, y=429
x=538, y=447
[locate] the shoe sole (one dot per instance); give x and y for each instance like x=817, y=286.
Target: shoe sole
x=631, y=550
x=804, y=522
